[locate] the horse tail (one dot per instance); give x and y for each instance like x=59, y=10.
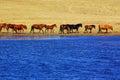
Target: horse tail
x=32, y=28
x=61, y=29
x=99, y=29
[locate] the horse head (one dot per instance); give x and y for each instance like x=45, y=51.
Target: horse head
x=110, y=27
x=93, y=26
x=3, y=25
x=24, y=26
x=44, y=25
x=79, y=25
x=54, y=25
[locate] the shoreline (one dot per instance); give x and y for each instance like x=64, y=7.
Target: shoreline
x=57, y=34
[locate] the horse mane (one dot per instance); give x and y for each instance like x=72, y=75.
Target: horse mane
x=93, y=26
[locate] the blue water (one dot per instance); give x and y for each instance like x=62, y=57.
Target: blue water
x=60, y=58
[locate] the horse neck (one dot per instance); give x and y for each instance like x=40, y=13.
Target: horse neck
x=3, y=25
x=25, y=27
x=54, y=25
x=110, y=27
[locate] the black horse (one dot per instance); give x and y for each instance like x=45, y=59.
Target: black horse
x=74, y=26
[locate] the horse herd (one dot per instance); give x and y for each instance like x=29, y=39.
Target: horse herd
x=68, y=27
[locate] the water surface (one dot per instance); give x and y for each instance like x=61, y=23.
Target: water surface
x=60, y=58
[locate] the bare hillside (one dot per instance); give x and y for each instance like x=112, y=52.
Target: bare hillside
x=60, y=11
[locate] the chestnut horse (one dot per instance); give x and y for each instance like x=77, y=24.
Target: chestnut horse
x=16, y=27
x=104, y=27
x=10, y=26
x=50, y=27
x=20, y=27
x=89, y=27
x=2, y=25
x=64, y=27
x=37, y=26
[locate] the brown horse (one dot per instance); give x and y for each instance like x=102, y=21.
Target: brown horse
x=64, y=27
x=2, y=25
x=89, y=27
x=104, y=27
x=50, y=27
x=16, y=27
x=10, y=26
x=20, y=27
x=37, y=26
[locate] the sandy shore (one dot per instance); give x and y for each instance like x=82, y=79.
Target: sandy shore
x=57, y=34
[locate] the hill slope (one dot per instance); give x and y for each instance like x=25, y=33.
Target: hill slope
x=60, y=11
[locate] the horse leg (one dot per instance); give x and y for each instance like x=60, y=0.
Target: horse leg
x=85, y=30
x=77, y=31
x=72, y=30
x=15, y=30
x=68, y=31
x=23, y=30
x=7, y=29
x=42, y=31
x=0, y=29
x=106, y=30
x=45, y=30
x=90, y=31
x=99, y=30
x=39, y=30
x=60, y=31
x=53, y=30
x=31, y=30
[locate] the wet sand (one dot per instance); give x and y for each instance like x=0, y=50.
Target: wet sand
x=57, y=34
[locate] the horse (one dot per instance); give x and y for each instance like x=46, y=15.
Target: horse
x=50, y=27
x=64, y=27
x=74, y=26
x=89, y=27
x=20, y=27
x=16, y=27
x=10, y=26
x=2, y=25
x=37, y=26
x=104, y=27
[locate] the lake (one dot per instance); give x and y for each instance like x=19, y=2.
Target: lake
x=60, y=58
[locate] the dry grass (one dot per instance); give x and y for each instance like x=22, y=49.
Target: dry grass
x=61, y=12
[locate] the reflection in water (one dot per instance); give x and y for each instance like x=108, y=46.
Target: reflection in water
x=28, y=37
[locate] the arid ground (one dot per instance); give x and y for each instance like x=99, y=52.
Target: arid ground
x=61, y=12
